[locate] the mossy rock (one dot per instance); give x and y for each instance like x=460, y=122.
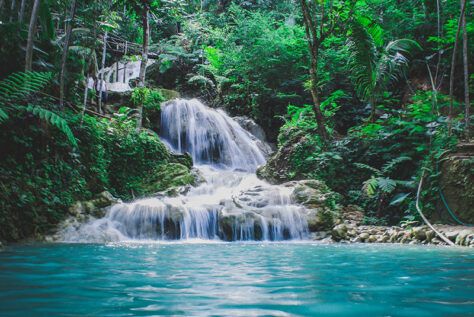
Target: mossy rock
x=314, y=194
x=172, y=175
x=321, y=220
x=184, y=159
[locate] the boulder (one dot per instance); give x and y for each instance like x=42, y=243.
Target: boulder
x=95, y=207
x=172, y=175
x=338, y=233
x=320, y=220
x=278, y=168
x=313, y=194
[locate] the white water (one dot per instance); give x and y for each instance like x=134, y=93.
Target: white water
x=117, y=80
x=233, y=204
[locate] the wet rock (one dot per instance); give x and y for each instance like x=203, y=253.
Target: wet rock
x=338, y=233
x=319, y=219
x=173, y=176
x=312, y=194
x=95, y=207
x=419, y=233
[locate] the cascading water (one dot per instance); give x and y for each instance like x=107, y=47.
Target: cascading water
x=233, y=204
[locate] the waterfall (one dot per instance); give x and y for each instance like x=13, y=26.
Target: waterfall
x=233, y=204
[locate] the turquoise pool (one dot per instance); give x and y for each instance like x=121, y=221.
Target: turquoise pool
x=235, y=279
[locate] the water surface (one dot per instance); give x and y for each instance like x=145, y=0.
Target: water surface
x=235, y=279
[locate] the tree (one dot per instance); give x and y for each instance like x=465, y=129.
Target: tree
x=318, y=28
x=453, y=59
x=144, y=61
x=372, y=70
x=31, y=36
x=62, y=69
x=467, y=102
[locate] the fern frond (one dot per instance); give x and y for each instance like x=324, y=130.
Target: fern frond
x=199, y=79
x=368, y=167
x=3, y=116
x=387, y=185
x=53, y=119
x=370, y=186
x=387, y=168
x=20, y=85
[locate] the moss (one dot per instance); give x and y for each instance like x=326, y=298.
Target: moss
x=168, y=176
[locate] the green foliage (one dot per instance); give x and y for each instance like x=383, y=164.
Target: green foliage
x=372, y=70
x=16, y=88
x=140, y=96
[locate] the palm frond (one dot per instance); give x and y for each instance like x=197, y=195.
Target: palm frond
x=362, y=59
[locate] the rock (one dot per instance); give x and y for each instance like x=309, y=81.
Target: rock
x=172, y=175
x=313, y=194
x=95, y=207
x=456, y=179
x=184, y=159
x=278, y=168
x=430, y=235
x=364, y=236
x=451, y=235
x=320, y=219
x=372, y=238
x=352, y=214
x=461, y=237
x=419, y=233
x=338, y=233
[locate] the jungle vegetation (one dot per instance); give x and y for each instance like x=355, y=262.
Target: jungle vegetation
x=368, y=92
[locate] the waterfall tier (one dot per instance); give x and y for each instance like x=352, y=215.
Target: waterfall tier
x=232, y=204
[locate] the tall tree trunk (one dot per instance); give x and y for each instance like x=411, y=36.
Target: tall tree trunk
x=101, y=80
x=314, y=43
x=22, y=11
x=314, y=93
x=453, y=63
x=62, y=70
x=467, y=102
x=12, y=10
x=31, y=36
x=146, y=43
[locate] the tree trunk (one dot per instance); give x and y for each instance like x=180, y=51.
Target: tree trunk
x=314, y=93
x=12, y=10
x=453, y=62
x=372, y=108
x=314, y=43
x=22, y=11
x=65, y=51
x=101, y=80
x=467, y=102
x=146, y=40
x=31, y=36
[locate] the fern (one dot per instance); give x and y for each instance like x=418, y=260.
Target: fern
x=17, y=87
x=54, y=119
x=370, y=186
x=368, y=167
x=387, y=168
x=386, y=185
